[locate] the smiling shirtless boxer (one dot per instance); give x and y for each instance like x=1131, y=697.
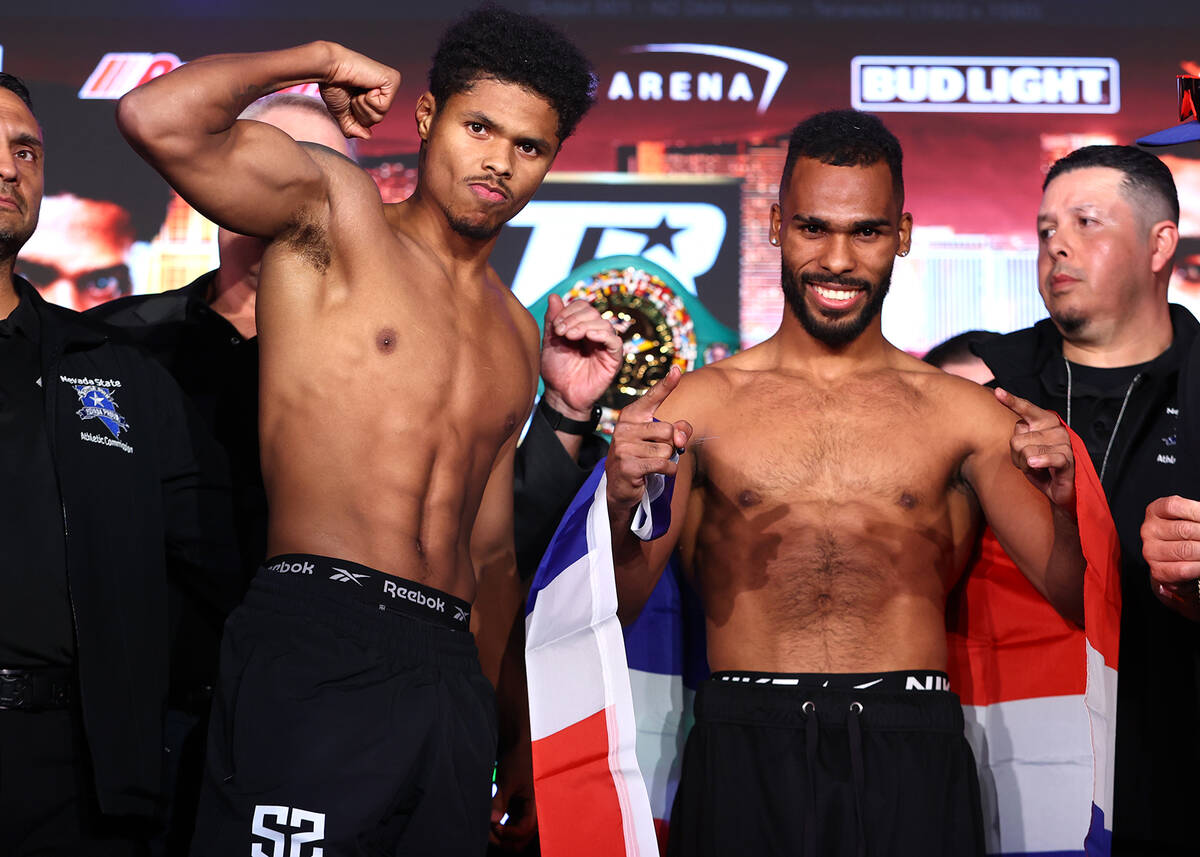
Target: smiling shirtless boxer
x=829, y=498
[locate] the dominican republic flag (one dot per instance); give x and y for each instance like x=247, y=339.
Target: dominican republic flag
x=610, y=710
x=591, y=797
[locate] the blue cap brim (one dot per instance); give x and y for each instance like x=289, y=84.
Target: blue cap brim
x=1188, y=132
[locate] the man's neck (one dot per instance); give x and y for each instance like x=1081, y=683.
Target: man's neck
x=8, y=289
x=234, y=297
x=798, y=350
x=423, y=220
x=1138, y=339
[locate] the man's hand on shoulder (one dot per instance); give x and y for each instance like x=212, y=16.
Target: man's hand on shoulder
x=641, y=446
x=1041, y=449
x=357, y=90
x=581, y=353
x=1171, y=547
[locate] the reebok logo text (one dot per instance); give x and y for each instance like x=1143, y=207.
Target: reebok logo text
x=404, y=593
x=292, y=567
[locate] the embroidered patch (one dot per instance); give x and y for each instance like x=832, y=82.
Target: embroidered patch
x=99, y=404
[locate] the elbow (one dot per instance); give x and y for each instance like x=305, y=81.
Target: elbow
x=150, y=124
x=136, y=120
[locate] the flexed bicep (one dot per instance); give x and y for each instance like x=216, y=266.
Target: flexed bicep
x=245, y=175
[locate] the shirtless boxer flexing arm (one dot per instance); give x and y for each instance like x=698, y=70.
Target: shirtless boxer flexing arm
x=396, y=371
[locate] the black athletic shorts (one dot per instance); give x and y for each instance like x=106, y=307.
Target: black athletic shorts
x=821, y=765
x=351, y=716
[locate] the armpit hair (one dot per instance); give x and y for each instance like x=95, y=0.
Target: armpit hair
x=309, y=241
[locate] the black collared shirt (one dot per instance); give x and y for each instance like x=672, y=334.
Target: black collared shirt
x=35, y=607
x=1098, y=406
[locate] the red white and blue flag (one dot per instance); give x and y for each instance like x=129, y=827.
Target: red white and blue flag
x=591, y=796
x=610, y=710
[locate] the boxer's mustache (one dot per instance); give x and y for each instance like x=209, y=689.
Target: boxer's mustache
x=835, y=280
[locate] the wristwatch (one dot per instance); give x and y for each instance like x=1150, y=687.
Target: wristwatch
x=558, y=422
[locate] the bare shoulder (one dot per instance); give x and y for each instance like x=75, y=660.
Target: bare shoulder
x=972, y=407
x=531, y=336
x=702, y=391
x=348, y=182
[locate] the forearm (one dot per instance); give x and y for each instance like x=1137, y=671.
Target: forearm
x=498, y=600
x=512, y=686
x=197, y=103
x=571, y=443
x=546, y=478
x=634, y=566
x=1065, y=567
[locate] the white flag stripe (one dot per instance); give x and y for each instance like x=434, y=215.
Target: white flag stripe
x=1042, y=805
x=576, y=666
x=567, y=680
x=661, y=703
x=1102, y=706
x=640, y=837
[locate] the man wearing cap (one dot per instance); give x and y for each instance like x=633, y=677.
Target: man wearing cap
x=1110, y=360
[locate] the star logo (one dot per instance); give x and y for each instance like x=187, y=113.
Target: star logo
x=99, y=404
x=662, y=235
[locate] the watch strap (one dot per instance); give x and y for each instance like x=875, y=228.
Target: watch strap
x=560, y=422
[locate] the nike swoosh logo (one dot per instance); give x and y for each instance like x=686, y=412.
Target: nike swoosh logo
x=868, y=684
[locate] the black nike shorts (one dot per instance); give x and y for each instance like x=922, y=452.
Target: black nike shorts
x=821, y=765
x=351, y=716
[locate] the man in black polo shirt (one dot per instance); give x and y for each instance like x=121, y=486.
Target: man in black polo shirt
x=1108, y=360
x=110, y=485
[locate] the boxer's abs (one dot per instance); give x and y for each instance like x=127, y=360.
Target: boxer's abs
x=391, y=487
x=825, y=599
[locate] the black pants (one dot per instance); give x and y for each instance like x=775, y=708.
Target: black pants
x=343, y=726
x=799, y=768
x=47, y=797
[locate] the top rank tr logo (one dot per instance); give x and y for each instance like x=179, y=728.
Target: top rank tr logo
x=99, y=404
x=683, y=237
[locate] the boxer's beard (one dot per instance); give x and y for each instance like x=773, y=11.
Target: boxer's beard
x=838, y=332
x=474, y=231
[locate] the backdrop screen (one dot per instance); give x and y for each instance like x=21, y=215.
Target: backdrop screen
x=681, y=157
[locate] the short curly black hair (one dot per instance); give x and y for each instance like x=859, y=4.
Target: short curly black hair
x=498, y=44
x=845, y=138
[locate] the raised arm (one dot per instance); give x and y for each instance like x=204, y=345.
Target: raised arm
x=1028, y=496
x=641, y=447
x=249, y=176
